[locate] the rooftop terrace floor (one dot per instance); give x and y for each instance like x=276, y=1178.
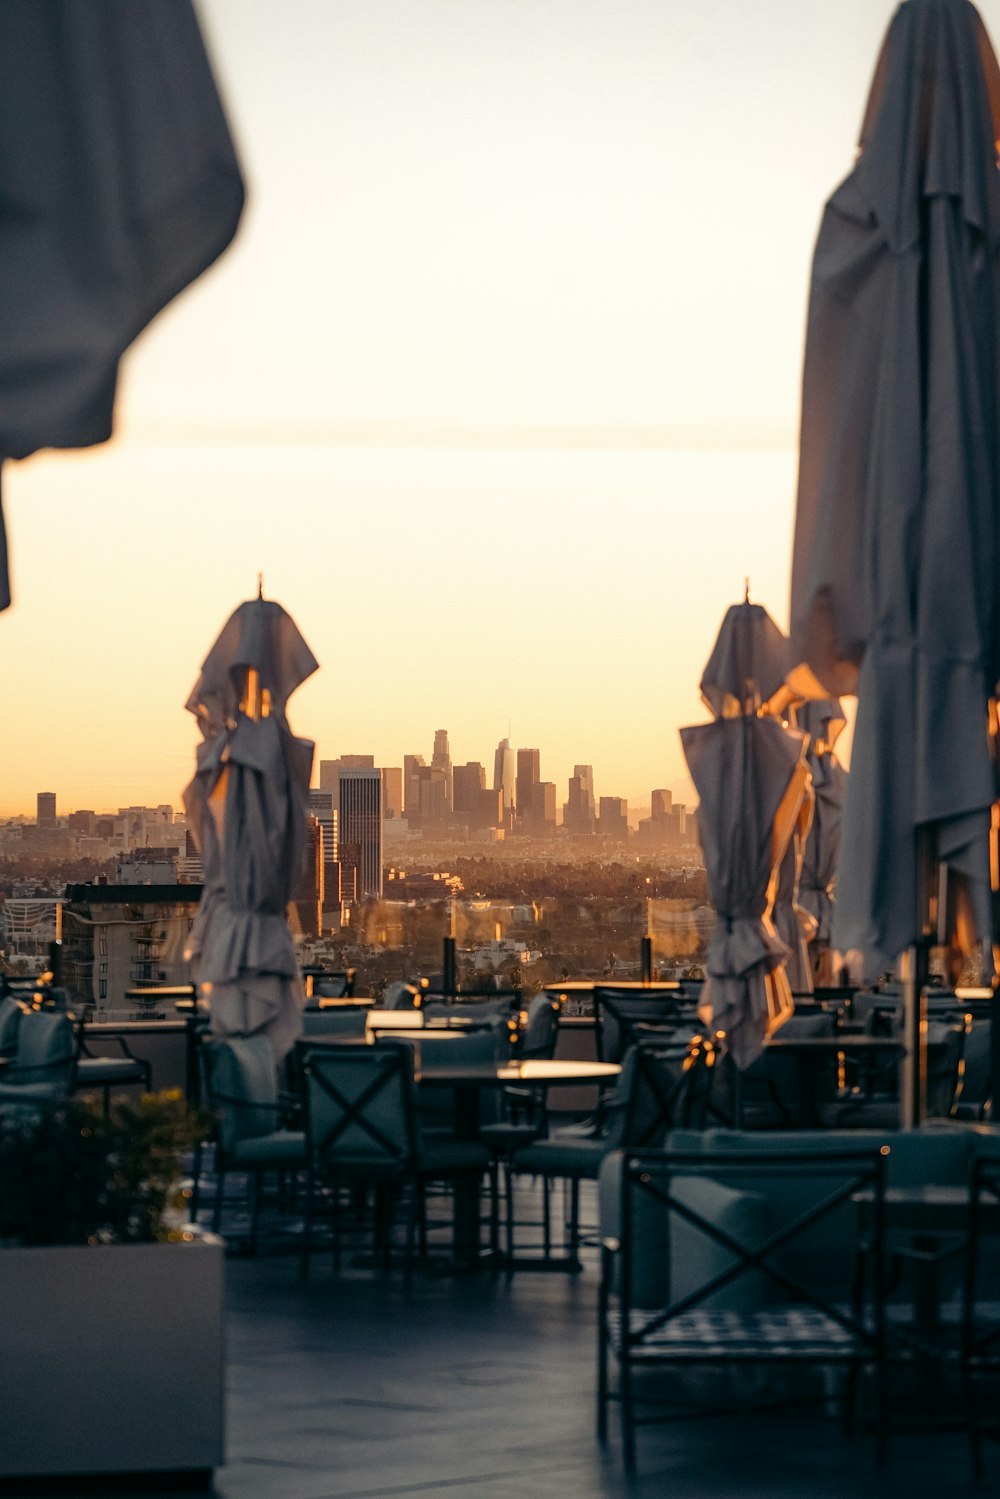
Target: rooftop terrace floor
x=359, y=1387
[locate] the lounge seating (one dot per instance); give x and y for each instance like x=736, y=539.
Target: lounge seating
x=241, y=1089
x=361, y=1127
x=42, y=1066
x=728, y=1237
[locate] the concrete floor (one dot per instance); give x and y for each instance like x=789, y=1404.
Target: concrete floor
x=357, y=1387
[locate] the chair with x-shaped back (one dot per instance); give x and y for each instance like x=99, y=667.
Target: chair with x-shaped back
x=361, y=1129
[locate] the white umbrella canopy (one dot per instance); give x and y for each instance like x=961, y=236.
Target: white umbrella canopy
x=119, y=185
x=896, y=571
x=823, y=721
x=247, y=809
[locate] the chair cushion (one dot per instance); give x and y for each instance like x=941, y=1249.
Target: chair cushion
x=94, y=1072
x=570, y=1157
x=285, y=1147
x=10, y=1017
x=671, y=1257
x=244, y=1068
x=451, y=1156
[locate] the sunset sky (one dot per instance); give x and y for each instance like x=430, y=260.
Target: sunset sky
x=498, y=387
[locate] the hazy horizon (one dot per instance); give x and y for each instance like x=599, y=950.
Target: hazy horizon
x=498, y=387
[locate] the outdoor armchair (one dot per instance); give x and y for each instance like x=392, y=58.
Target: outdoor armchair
x=42, y=1066
x=700, y=1267
x=659, y=1088
x=241, y=1090
x=362, y=1128
x=980, y=1344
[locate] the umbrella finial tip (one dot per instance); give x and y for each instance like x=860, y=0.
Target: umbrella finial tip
x=746, y=590
x=260, y=585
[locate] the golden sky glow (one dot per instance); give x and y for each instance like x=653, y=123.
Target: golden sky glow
x=498, y=387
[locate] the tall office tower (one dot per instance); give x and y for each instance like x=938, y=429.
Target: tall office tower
x=357, y=762
x=329, y=772
x=392, y=791
x=662, y=805
x=529, y=774
x=326, y=814
x=308, y=890
x=360, y=824
x=411, y=786
x=543, y=809
x=441, y=760
x=579, y=811
x=504, y=777
x=432, y=807
x=613, y=819
x=45, y=815
x=467, y=782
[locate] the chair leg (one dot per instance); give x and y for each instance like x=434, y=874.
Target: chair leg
x=411, y=1229
x=574, y=1220
x=256, y=1189
x=220, y=1187
x=196, y=1181
x=307, y=1229
x=602, y=1357
x=495, y=1211
x=546, y=1223
x=509, y=1189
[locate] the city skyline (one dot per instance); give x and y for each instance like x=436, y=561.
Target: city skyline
x=682, y=790
x=505, y=414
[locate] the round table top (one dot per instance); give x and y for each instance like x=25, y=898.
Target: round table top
x=536, y=1073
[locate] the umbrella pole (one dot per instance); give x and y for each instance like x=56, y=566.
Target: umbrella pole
x=914, y=1081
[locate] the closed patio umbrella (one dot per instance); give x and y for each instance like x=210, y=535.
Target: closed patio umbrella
x=897, y=543
x=822, y=720
x=118, y=186
x=751, y=780
x=792, y=921
x=247, y=808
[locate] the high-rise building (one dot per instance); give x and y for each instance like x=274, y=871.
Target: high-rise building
x=579, y=811
x=662, y=804
x=543, y=809
x=441, y=760
x=504, y=778
x=357, y=762
x=309, y=891
x=432, y=804
x=612, y=821
x=411, y=786
x=392, y=791
x=360, y=825
x=321, y=806
x=529, y=774
x=467, y=782
x=45, y=816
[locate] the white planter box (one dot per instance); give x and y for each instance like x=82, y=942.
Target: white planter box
x=111, y=1359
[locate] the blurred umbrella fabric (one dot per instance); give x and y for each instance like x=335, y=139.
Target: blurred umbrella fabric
x=247, y=809
x=119, y=185
x=791, y=920
x=751, y=780
x=897, y=553
x=823, y=721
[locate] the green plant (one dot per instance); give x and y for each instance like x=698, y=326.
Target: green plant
x=71, y=1176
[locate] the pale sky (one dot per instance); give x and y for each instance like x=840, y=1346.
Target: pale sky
x=498, y=387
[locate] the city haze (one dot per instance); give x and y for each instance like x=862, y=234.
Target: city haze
x=498, y=388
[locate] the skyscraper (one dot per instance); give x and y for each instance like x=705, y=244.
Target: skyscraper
x=468, y=781
x=441, y=760
x=504, y=778
x=45, y=815
x=321, y=806
x=411, y=786
x=579, y=812
x=360, y=825
x=392, y=791
x=529, y=774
